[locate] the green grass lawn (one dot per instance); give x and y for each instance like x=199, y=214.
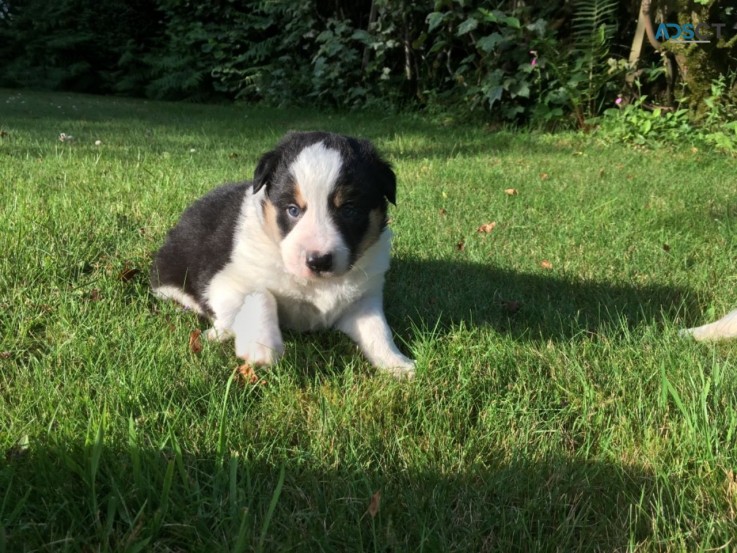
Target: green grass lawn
x=554, y=409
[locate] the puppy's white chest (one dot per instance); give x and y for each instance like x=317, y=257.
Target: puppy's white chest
x=302, y=316
x=314, y=307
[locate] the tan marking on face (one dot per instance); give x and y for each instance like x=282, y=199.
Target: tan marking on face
x=298, y=198
x=270, y=225
x=338, y=198
x=376, y=223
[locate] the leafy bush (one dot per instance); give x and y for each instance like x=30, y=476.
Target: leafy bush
x=259, y=50
x=483, y=58
x=70, y=44
x=719, y=126
x=594, y=27
x=635, y=124
x=384, y=53
x=642, y=124
x=549, y=64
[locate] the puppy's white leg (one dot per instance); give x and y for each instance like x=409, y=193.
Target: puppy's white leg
x=258, y=340
x=366, y=324
x=723, y=329
x=218, y=332
x=225, y=301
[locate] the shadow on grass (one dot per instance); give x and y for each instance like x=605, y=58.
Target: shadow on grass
x=441, y=294
x=122, y=498
x=437, y=296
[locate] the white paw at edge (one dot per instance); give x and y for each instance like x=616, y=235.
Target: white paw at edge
x=402, y=367
x=259, y=354
x=217, y=335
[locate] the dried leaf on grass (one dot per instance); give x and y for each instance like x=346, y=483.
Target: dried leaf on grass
x=511, y=191
x=247, y=375
x=731, y=491
x=128, y=273
x=544, y=176
x=486, y=227
x=374, y=504
x=195, y=343
x=461, y=245
x=545, y=264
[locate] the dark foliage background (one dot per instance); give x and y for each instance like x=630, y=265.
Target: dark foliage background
x=513, y=60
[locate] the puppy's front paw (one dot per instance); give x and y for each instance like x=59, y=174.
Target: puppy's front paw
x=215, y=334
x=400, y=367
x=265, y=352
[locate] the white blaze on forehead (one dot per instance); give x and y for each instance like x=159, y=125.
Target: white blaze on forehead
x=315, y=172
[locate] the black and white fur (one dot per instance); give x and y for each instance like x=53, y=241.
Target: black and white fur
x=305, y=245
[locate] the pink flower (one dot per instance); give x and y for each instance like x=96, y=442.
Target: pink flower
x=618, y=101
x=533, y=63
x=533, y=53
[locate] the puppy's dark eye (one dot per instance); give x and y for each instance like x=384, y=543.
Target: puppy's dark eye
x=349, y=211
x=294, y=211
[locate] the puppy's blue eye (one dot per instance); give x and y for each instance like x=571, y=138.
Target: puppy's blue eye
x=294, y=211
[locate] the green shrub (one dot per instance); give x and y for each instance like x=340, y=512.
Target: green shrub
x=71, y=44
x=545, y=64
x=642, y=124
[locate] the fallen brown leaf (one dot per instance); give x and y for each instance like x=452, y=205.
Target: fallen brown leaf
x=195, y=344
x=374, y=504
x=461, y=245
x=486, y=227
x=511, y=191
x=545, y=264
x=544, y=176
x=443, y=211
x=247, y=375
x=128, y=273
x=731, y=489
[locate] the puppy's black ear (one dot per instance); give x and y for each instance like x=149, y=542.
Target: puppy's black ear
x=383, y=175
x=387, y=180
x=264, y=173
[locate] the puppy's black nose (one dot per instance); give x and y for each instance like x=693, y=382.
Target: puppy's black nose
x=320, y=263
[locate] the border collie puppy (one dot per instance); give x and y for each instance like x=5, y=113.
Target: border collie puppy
x=305, y=246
